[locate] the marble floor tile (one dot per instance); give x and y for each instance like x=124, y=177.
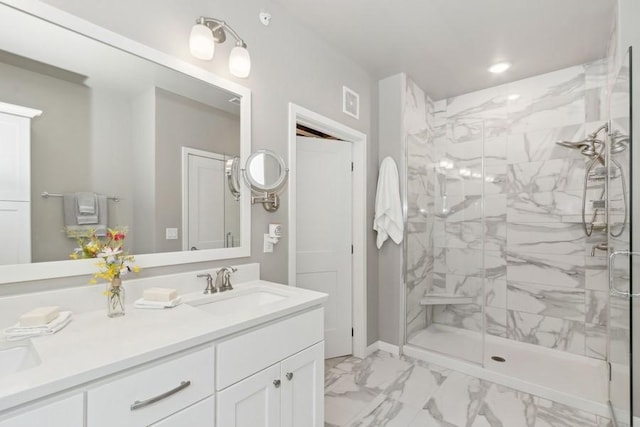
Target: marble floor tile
x=415, y=386
x=388, y=413
x=331, y=363
x=344, y=399
x=419, y=394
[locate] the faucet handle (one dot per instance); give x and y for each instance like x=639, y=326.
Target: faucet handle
x=209, y=289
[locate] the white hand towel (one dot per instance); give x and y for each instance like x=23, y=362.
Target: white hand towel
x=17, y=332
x=388, y=221
x=86, y=208
x=73, y=228
x=87, y=203
x=143, y=303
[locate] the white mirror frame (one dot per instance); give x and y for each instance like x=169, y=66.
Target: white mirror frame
x=55, y=269
x=261, y=188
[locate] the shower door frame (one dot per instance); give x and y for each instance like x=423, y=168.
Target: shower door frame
x=625, y=257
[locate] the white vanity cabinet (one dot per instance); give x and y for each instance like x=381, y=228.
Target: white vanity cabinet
x=200, y=414
x=253, y=402
x=277, y=379
x=288, y=394
x=302, y=377
x=266, y=372
x=145, y=396
x=67, y=412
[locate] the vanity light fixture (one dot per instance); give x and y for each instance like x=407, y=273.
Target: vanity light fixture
x=209, y=31
x=500, y=67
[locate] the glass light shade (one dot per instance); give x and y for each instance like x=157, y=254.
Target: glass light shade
x=240, y=62
x=201, y=43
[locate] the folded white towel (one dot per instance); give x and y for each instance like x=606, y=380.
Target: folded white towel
x=17, y=332
x=388, y=221
x=143, y=303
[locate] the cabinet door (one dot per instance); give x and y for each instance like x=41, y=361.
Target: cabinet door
x=253, y=402
x=15, y=229
x=68, y=412
x=201, y=414
x=303, y=388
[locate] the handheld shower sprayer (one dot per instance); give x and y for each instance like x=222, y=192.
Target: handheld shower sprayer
x=594, y=149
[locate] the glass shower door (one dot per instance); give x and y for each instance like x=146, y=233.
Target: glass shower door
x=621, y=255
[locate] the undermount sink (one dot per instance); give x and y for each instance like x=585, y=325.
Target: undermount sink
x=16, y=357
x=235, y=301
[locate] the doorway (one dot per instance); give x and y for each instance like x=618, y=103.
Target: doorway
x=323, y=229
x=355, y=143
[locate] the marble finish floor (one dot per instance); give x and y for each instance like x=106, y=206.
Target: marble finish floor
x=392, y=391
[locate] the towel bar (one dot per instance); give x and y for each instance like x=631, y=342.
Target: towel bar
x=46, y=195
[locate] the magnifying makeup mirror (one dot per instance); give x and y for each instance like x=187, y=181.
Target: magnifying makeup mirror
x=266, y=174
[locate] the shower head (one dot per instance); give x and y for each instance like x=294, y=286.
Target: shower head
x=587, y=147
x=617, y=147
x=589, y=151
x=580, y=145
x=618, y=143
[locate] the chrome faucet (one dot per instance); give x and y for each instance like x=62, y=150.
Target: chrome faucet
x=223, y=279
x=209, y=289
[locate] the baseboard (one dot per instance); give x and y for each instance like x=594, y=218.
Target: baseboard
x=383, y=346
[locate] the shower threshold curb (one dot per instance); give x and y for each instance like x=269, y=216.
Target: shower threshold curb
x=594, y=407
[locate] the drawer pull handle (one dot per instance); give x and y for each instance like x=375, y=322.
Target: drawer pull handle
x=141, y=404
x=289, y=376
x=276, y=383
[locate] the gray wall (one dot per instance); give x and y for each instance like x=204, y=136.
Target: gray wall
x=66, y=106
x=391, y=286
x=289, y=64
x=183, y=122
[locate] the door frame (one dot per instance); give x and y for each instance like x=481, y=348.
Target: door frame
x=358, y=140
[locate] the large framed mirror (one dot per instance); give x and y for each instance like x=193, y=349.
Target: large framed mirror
x=117, y=119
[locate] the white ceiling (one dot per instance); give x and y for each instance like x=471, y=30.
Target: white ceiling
x=447, y=45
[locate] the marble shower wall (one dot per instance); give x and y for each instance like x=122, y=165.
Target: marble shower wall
x=505, y=225
x=417, y=113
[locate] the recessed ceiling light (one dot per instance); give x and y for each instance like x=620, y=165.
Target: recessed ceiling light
x=500, y=67
x=513, y=96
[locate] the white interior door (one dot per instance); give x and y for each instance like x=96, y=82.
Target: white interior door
x=205, y=226
x=323, y=233
x=15, y=229
x=15, y=168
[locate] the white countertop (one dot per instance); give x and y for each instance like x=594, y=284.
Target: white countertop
x=93, y=346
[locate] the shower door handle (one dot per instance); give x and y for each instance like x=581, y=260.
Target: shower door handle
x=612, y=289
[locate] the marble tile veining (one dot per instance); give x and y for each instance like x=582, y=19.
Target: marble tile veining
x=426, y=395
x=495, y=213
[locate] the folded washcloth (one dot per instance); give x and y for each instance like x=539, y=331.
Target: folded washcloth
x=143, y=303
x=17, y=332
x=87, y=203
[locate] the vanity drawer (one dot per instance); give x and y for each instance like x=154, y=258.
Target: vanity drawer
x=243, y=355
x=152, y=393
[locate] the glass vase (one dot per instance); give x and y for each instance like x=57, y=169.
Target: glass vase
x=115, y=298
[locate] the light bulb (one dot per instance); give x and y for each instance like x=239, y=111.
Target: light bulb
x=240, y=62
x=500, y=67
x=201, y=43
